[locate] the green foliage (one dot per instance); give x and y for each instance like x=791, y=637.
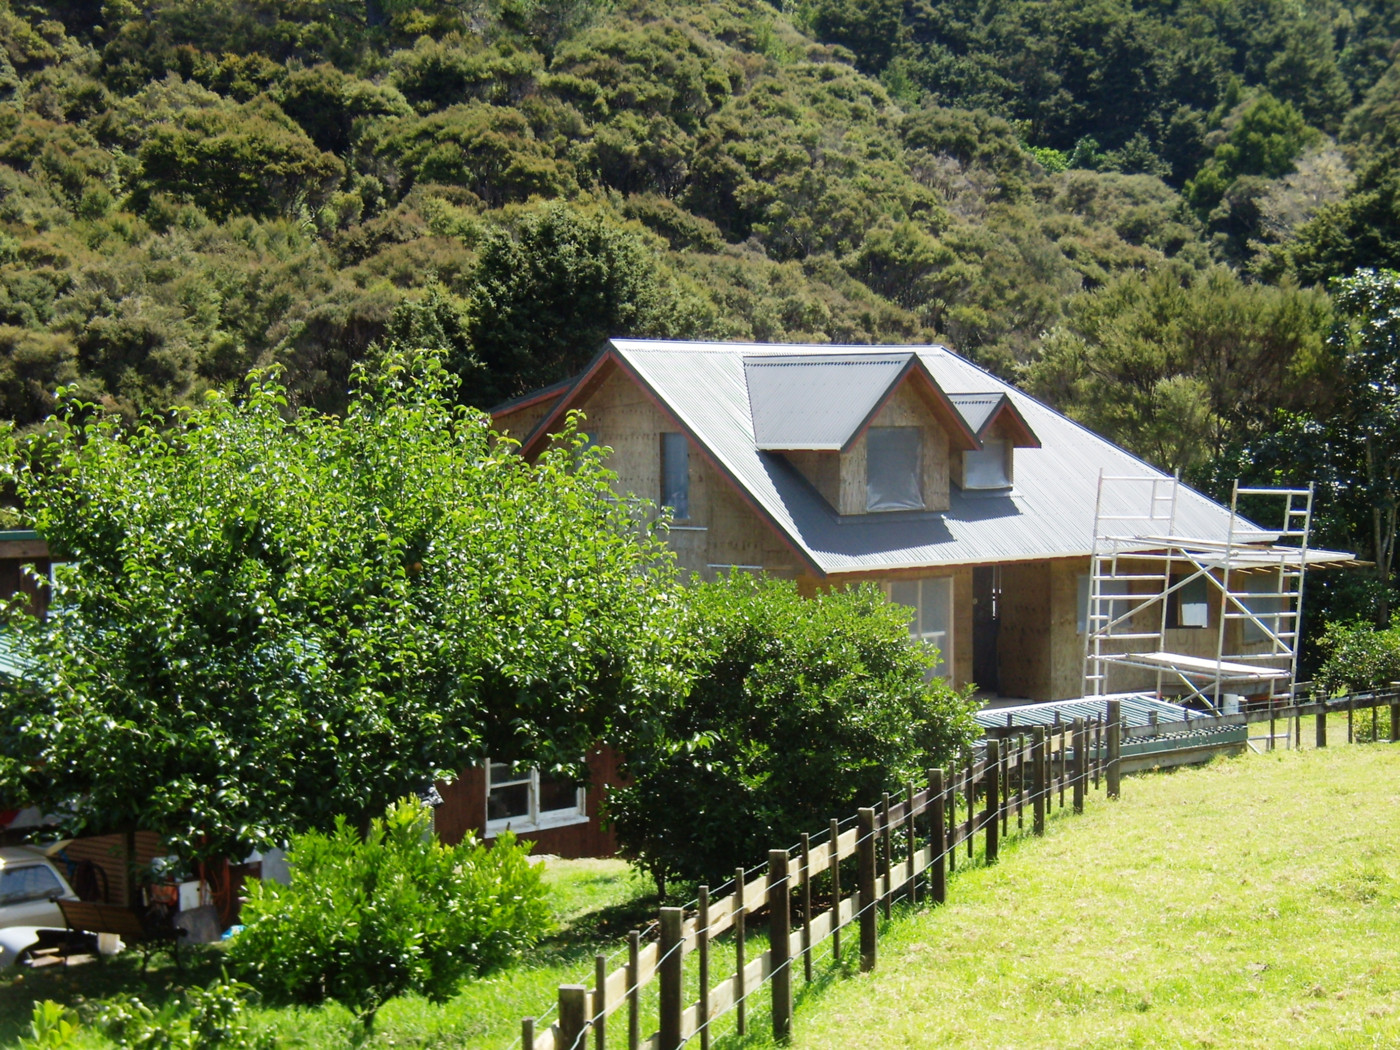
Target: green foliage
x=1359, y=658
x=272, y=621
x=206, y=1018
x=52, y=1027
x=366, y=919
x=793, y=710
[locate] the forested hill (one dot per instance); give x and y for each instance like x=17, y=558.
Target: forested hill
x=1133, y=209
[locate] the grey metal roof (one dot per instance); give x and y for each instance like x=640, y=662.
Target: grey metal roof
x=1049, y=513
x=816, y=401
x=977, y=409
x=1137, y=709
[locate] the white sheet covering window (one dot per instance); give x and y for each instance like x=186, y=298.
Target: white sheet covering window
x=985, y=467
x=892, y=468
x=932, y=602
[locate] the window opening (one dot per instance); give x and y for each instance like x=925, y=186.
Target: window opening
x=522, y=798
x=675, y=475
x=985, y=467
x=1189, y=605
x=892, y=468
x=932, y=623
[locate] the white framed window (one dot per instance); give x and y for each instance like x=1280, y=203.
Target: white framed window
x=524, y=799
x=893, y=467
x=932, y=601
x=987, y=467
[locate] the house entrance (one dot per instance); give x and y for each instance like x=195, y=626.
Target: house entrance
x=986, y=623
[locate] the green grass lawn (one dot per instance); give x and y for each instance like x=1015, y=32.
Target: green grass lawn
x=1250, y=903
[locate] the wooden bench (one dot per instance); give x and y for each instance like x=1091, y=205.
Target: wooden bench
x=149, y=928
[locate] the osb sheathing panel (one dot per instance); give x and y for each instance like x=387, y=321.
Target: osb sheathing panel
x=1066, y=643
x=720, y=529
x=905, y=408
x=520, y=422
x=1024, y=636
x=823, y=470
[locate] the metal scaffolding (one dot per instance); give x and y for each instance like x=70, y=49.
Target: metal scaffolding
x=1146, y=582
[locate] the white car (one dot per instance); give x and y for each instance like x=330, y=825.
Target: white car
x=30, y=886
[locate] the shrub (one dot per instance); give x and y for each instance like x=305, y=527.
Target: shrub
x=794, y=710
x=1359, y=658
x=204, y=1018
x=368, y=918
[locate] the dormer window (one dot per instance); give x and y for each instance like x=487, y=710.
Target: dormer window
x=988, y=467
x=893, y=468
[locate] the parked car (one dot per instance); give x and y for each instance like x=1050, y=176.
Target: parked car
x=30, y=887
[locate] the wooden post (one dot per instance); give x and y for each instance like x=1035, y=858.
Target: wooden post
x=910, y=844
x=634, y=992
x=938, y=836
x=1395, y=721
x=993, y=818
x=1038, y=781
x=951, y=805
x=970, y=781
x=1351, y=716
x=1005, y=783
x=600, y=1000
x=886, y=855
x=1021, y=756
x=702, y=961
x=741, y=1008
x=1098, y=750
x=527, y=1034
x=573, y=1014
x=780, y=942
x=1081, y=765
x=1062, y=764
x=1115, y=746
x=865, y=880
x=1321, y=723
x=1273, y=728
x=806, y=908
x=834, y=862
x=670, y=976
x=1297, y=725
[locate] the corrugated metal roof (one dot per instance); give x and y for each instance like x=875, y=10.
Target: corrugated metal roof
x=977, y=409
x=816, y=401
x=1049, y=513
x=1137, y=709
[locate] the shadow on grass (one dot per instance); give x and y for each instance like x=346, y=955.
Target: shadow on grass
x=594, y=931
x=82, y=985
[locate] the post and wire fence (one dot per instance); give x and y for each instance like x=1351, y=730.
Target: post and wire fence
x=904, y=848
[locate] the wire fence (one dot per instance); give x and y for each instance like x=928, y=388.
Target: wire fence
x=846, y=877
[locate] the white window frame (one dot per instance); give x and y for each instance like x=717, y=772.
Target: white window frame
x=943, y=639
x=535, y=819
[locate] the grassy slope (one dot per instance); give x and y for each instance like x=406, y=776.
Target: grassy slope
x=1250, y=903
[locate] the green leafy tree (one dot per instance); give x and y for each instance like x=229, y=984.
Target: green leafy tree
x=1360, y=658
x=794, y=710
x=369, y=917
x=269, y=622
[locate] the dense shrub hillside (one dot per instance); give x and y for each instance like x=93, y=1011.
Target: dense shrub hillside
x=1134, y=209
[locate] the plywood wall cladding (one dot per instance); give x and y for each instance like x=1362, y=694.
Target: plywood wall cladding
x=823, y=470
x=518, y=423
x=1026, y=631
x=1066, y=639
x=737, y=536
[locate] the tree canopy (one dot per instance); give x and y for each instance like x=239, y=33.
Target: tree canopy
x=269, y=620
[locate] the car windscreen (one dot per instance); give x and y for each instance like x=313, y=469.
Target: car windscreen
x=31, y=882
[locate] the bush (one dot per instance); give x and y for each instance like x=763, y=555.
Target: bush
x=1360, y=658
x=367, y=919
x=205, y=1018
x=794, y=710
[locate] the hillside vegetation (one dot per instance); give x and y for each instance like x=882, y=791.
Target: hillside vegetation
x=1133, y=210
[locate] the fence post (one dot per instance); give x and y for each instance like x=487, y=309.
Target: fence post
x=702, y=962
x=886, y=854
x=834, y=846
x=910, y=883
x=1351, y=716
x=1115, y=746
x=780, y=942
x=993, y=799
x=1081, y=763
x=806, y=908
x=1038, y=780
x=938, y=835
x=1321, y=724
x=527, y=1034
x=865, y=880
x=671, y=948
x=741, y=1006
x=573, y=1014
x=600, y=1000
x=634, y=993
x=1395, y=719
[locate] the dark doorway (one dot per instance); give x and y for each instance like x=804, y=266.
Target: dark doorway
x=986, y=621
